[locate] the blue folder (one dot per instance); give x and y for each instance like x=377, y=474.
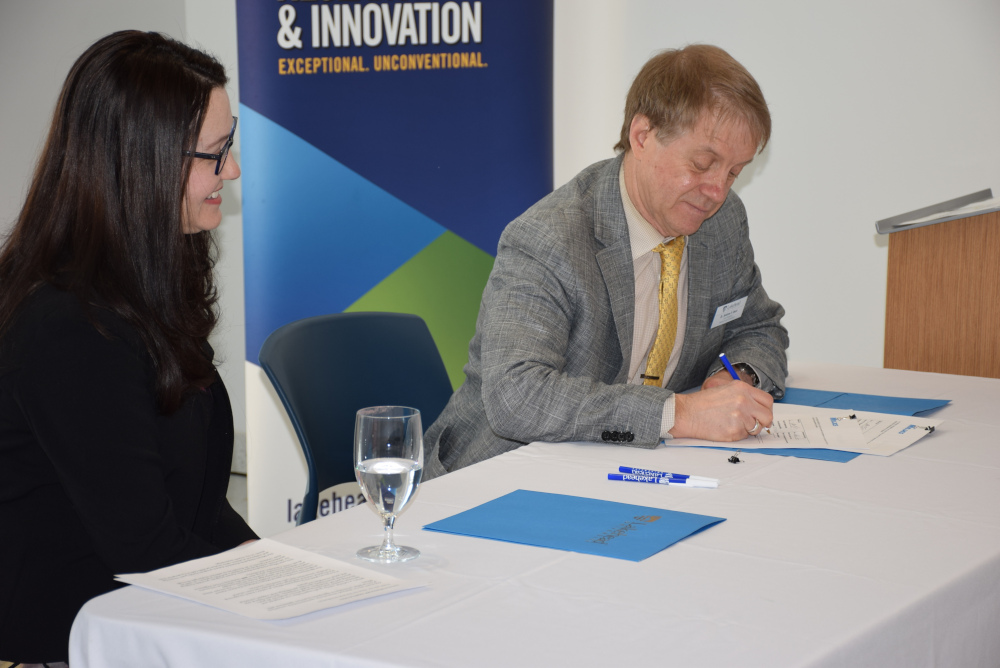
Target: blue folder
x=824, y=454
x=873, y=403
x=576, y=524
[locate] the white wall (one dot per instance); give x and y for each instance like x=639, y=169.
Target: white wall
x=39, y=41
x=879, y=107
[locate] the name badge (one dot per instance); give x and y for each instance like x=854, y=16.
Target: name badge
x=728, y=312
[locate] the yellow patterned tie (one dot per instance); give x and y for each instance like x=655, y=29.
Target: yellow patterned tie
x=670, y=265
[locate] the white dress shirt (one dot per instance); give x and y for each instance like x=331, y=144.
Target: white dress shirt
x=643, y=238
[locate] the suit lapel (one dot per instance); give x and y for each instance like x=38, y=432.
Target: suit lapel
x=616, y=267
x=700, y=271
x=615, y=260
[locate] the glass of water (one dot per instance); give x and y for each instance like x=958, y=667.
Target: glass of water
x=388, y=462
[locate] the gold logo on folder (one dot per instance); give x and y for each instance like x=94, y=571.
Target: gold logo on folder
x=623, y=529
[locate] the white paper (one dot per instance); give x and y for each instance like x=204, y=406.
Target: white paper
x=810, y=429
x=807, y=427
x=888, y=434
x=882, y=434
x=268, y=580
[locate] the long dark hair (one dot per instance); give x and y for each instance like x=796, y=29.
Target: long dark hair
x=102, y=217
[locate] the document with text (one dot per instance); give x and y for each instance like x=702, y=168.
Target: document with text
x=268, y=580
x=888, y=434
x=834, y=429
x=811, y=430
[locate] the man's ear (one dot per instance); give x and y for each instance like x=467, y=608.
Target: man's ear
x=639, y=133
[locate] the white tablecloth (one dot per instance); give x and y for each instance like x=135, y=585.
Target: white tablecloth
x=877, y=562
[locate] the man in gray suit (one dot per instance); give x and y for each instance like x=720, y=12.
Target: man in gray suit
x=623, y=287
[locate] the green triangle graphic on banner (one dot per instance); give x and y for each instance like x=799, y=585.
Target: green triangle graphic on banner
x=443, y=284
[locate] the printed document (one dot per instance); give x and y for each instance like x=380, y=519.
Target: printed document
x=798, y=427
x=268, y=580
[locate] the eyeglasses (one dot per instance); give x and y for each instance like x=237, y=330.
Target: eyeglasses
x=220, y=157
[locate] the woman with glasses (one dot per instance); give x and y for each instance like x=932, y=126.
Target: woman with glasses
x=116, y=432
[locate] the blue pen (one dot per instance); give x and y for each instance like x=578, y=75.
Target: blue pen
x=663, y=474
x=657, y=480
x=729, y=367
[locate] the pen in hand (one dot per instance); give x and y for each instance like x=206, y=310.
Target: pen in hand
x=736, y=376
x=729, y=367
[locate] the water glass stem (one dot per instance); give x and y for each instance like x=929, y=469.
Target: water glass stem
x=388, y=547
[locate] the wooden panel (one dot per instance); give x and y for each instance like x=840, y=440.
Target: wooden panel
x=943, y=298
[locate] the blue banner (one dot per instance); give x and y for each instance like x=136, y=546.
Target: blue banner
x=385, y=146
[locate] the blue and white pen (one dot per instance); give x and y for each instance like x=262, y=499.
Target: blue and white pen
x=657, y=480
x=736, y=376
x=729, y=367
x=664, y=474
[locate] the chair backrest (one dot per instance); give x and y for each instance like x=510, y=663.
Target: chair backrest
x=327, y=367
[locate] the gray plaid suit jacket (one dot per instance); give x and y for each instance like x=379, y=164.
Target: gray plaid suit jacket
x=550, y=357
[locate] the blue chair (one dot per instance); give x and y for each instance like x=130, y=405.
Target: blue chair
x=327, y=367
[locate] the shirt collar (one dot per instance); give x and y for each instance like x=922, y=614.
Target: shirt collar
x=642, y=236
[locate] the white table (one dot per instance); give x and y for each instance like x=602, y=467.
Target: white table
x=877, y=562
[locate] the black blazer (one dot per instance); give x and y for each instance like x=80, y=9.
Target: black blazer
x=94, y=481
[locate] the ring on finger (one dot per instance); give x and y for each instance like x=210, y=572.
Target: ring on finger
x=756, y=425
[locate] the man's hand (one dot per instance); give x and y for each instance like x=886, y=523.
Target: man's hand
x=722, y=377
x=725, y=410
